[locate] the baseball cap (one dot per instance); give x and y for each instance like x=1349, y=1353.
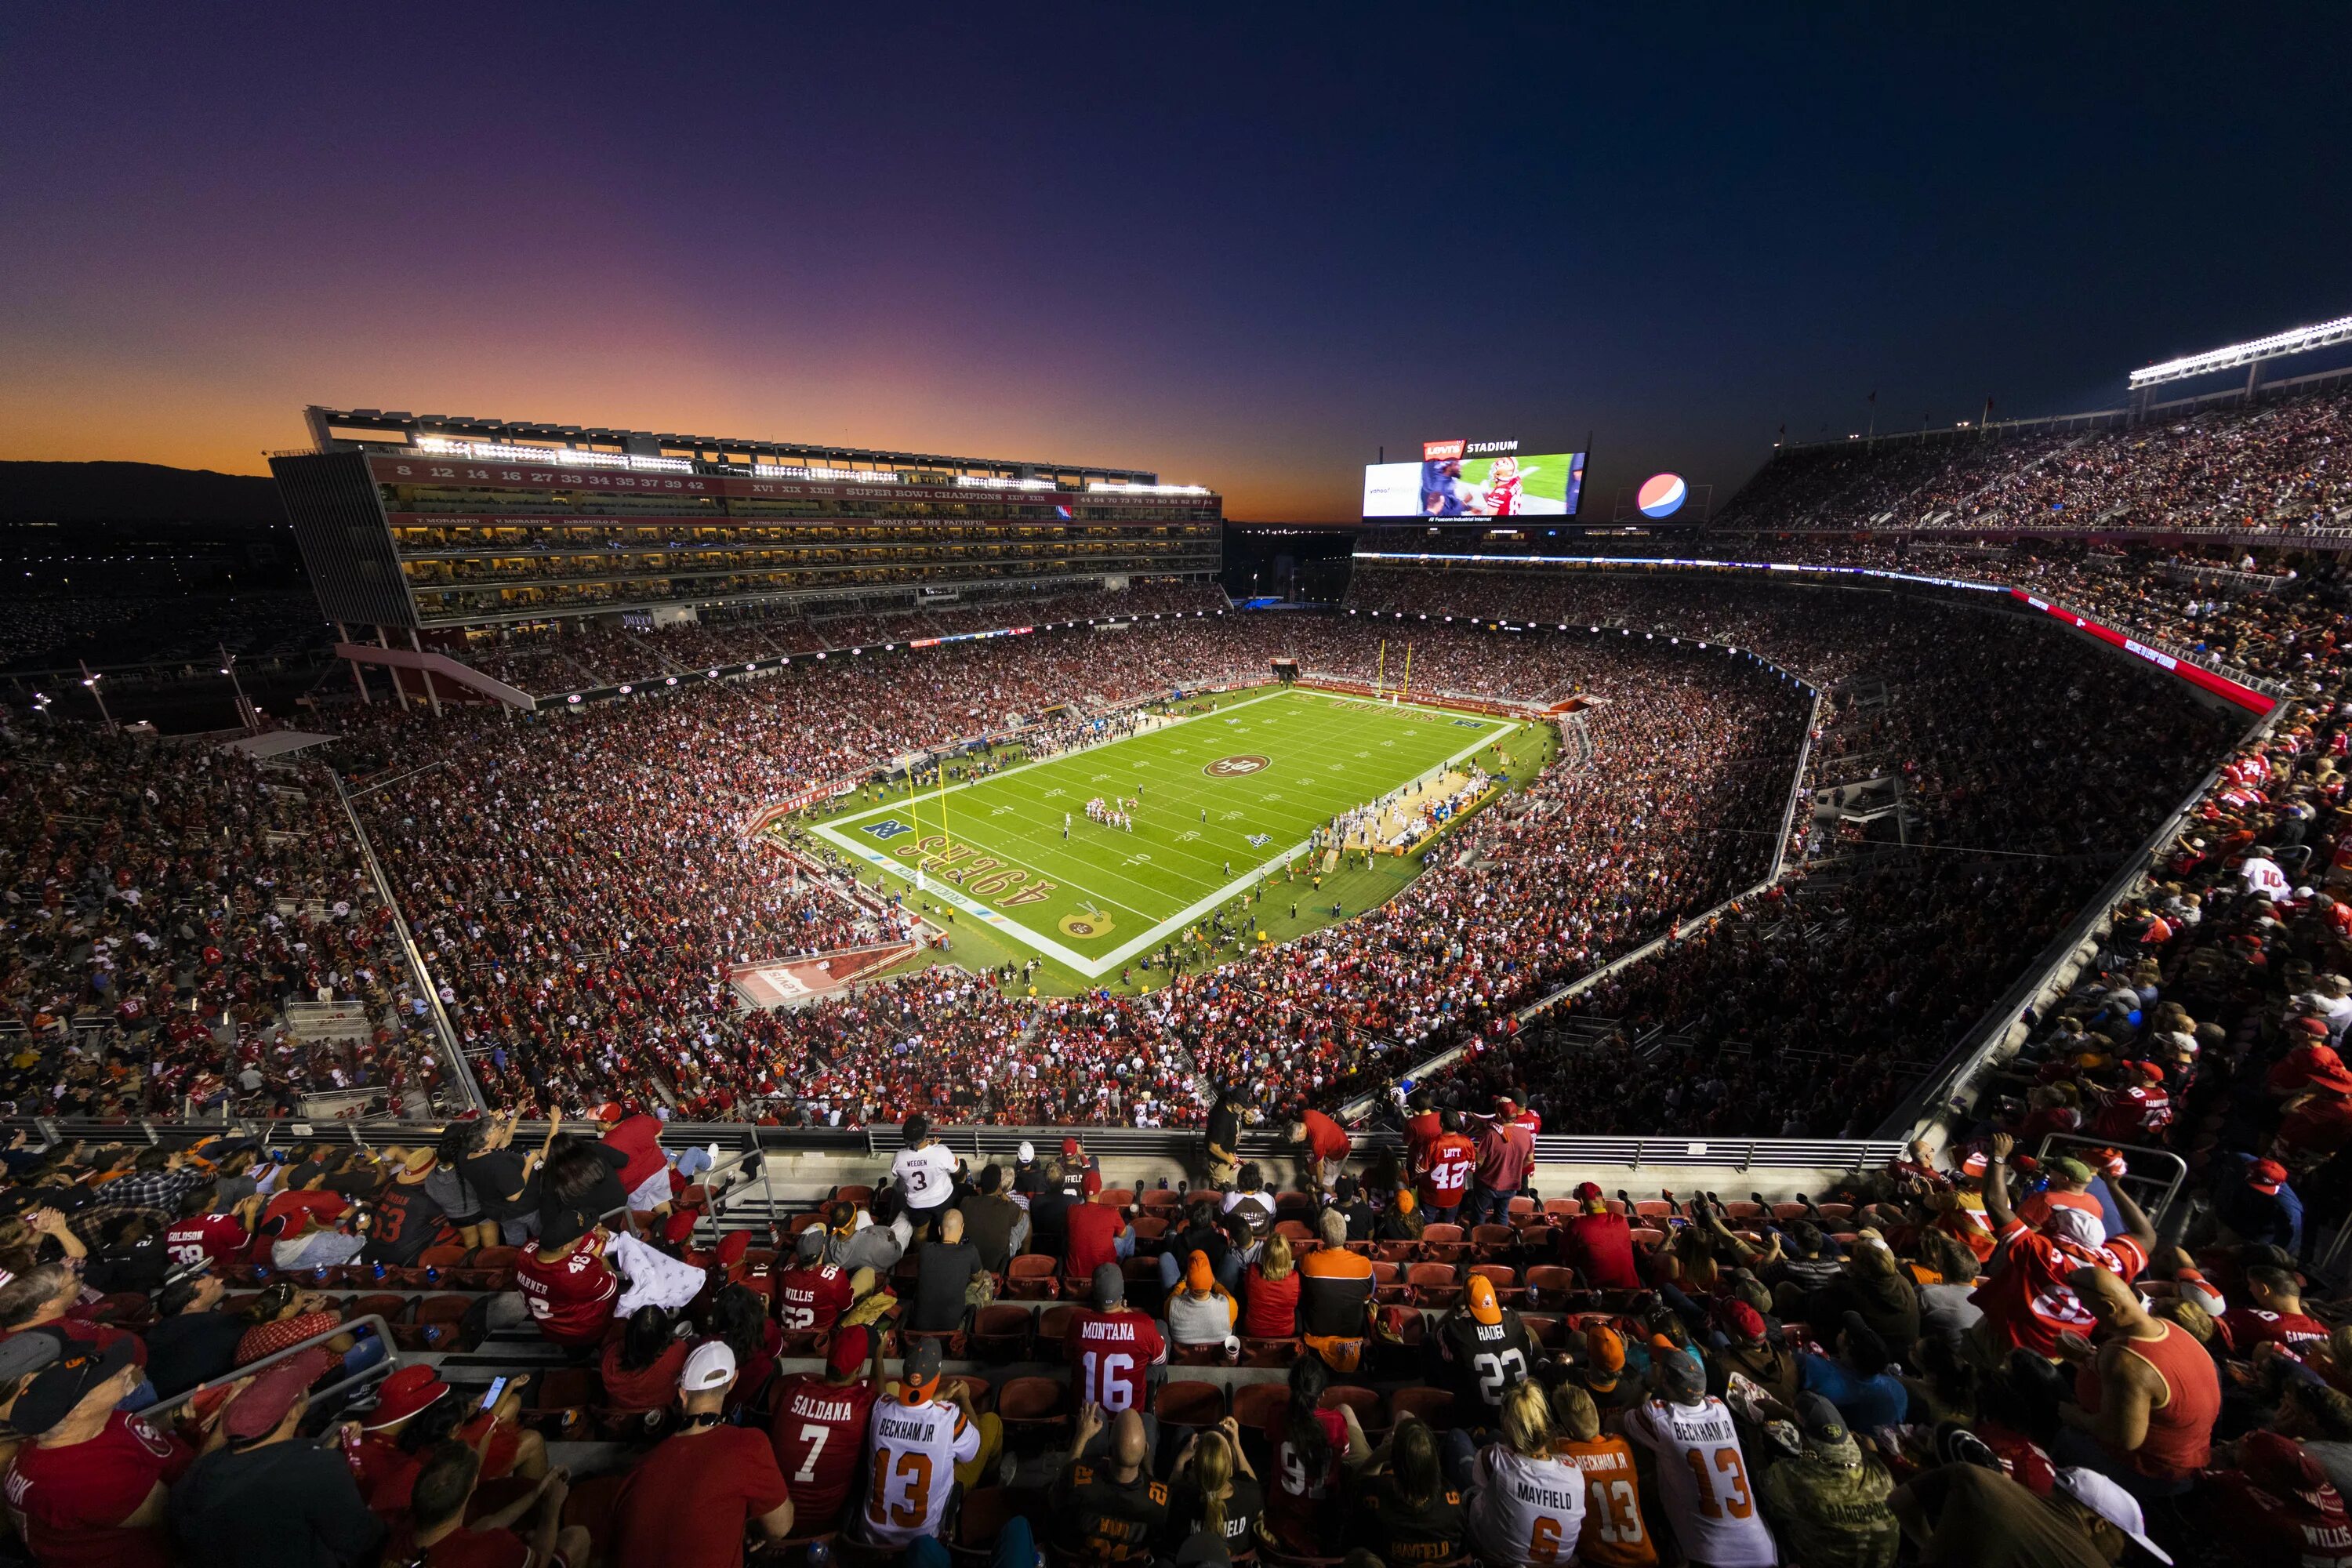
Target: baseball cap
x=1976, y=1163
x=731, y=1248
x=65, y=1382
x=403, y=1394
x=2112, y=1504
x=2266, y=1176
x=2070, y=1170
x=1483, y=1307
x=1406, y=1202
x=1604, y=1356
x=1069, y=1147
x=708, y=1367
x=1824, y=1426
x=679, y=1226
x=1681, y=1374
x=1111, y=1286
x=810, y=1246
x=919, y=1378
x=2078, y=1225
x=2281, y=1467
x=1027, y=1152
x=1198, y=1275
x=257, y=1411
x=1740, y=1319
x=847, y=1351
x=2191, y=1286
x=27, y=1351
x=1587, y=1191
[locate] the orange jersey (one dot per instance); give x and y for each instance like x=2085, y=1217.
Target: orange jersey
x=1613, y=1535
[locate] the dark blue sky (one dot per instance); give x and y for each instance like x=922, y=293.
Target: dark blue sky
x=1245, y=246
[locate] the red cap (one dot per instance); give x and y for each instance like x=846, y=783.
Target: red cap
x=1976, y=1164
x=1740, y=1319
x=2310, y=1025
x=849, y=1348
x=2266, y=1176
x=403, y=1394
x=257, y=1411
x=1587, y=1191
x=2150, y=1071
x=1069, y=1147
x=609, y=1112
x=677, y=1226
x=732, y=1247
x=2280, y=1467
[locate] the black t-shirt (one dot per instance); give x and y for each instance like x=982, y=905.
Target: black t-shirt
x=603, y=1195
x=941, y=1274
x=1028, y=1180
x=129, y=1266
x=1485, y=1359
x=1104, y=1521
x=1244, y=1503
x=1049, y=1221
x=1225, y=1129
x=1401, y=1532
x=407, y=1221
x=289, y=1505
x=191, y=1348
x=495, y=1172
x=1361, y=1219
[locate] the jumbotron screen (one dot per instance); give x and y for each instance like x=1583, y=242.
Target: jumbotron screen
x=1464, y=478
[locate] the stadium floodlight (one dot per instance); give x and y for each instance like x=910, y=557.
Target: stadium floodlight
x=990, y=482
x=1148, y=489
x=563, y=457
x=828, y=476
x=2276, y=346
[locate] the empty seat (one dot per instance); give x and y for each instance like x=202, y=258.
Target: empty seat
x=1522, y=1204
x=1433, y=1405
x=1496, y=1238
x=1052, y=1324
x=1256, y=1405
x=1371, y=1413
x=1548, y=1284
x=1258, y=1352
x=1001, y=1333
x=1189, y=1403
x=1030, y=1278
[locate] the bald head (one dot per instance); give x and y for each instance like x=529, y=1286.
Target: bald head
x=951, y=1226
x=2107, y=1299
x=1127, y=1444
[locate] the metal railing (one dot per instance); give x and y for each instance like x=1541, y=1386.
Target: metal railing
x=2153, y=1193
x=382, y=1366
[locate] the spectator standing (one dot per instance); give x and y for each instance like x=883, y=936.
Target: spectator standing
x=2275, y=1314
x=993, y=1222
x=689, y=1503
x=2029, y=1302
x=925, y=1172
x=1323, y=1149
x=405, y=1218
x=819, y=1430
x=1698, y=1467
x=1828, y=1503
x=1506, y=1153
x=1442, y=1166
x=1099, y=1234
x=267, y=1499
x=1225, y=1136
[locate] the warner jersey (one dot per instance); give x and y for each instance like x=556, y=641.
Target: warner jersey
x=912, y=1452
x=1485, y=1358
x=1113, y=1354
x=1523, y=1510
x=1613, y=1534
x=1503, y=495
x=811, y=1298
x=1703, y=1481
x=816, y=1435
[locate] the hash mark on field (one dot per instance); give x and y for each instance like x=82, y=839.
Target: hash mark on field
x=1363, y=753
x=1100, y=778
x=1189, y=835
x=1057, y=790
x=1270, y=796
x=1236, y=816
x=1002, y=811
x=1136, y=860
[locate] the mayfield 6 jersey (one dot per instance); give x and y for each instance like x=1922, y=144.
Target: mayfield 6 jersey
x=1525, y=1511
x=913, y=1451
x=1703, y=1481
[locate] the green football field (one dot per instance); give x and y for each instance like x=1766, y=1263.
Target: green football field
x=1547, y=480
x=1225, y=798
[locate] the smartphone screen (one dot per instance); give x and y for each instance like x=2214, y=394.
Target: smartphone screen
x=498, y=1387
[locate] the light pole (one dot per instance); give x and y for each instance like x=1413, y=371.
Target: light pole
x=245, y=712
x=92, y=680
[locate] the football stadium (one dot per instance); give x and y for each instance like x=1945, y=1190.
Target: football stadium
x=593, y=994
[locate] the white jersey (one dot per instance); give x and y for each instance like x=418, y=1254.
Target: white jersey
x=912, y=1453
x=928, y=1174
x=1703, y=1482
x=1525, y=1510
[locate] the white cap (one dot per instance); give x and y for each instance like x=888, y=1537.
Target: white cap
x=710, y=1364
x=2112, y=1504
x=1028, y=1151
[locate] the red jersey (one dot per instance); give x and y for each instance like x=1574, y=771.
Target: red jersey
x=1114, y=1353
x=572, y=1297
x=2250, y=1326
x=2307, y=1529
x=1326, y=1138
x=1445, y=1167
x=2134, y=1115
x=1505, y=1154
x=69, y=1503
x=1094, y=1239
x=819, y=1435
x=811, y=1298
x=2028, y=1300
x=206, y=1238
x=1421, y=1132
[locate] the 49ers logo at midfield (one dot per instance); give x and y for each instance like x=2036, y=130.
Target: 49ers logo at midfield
x=1234, y=767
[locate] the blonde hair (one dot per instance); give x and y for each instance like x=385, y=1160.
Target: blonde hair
x=1274, y=1261
x=1213, y=1474
x=1573, y=1414
x=1526, y=1420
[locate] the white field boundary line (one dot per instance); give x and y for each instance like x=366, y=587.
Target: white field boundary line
x=1096, y=968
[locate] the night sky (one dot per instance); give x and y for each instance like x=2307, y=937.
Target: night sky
x=1242, y=245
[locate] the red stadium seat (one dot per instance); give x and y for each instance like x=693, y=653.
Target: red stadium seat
x=1030, y=1278
x=1001, y=1333
x=1256, y=1405
x=1371, y=1413
x=1506, y=1280
x=1188, y=1404
x=1549, y=1284
x=1258, y=1352
x=1433, y=1406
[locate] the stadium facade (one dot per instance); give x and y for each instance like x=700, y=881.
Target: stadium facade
x=430, y=532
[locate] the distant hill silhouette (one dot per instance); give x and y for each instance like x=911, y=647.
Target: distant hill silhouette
x=143, y=492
